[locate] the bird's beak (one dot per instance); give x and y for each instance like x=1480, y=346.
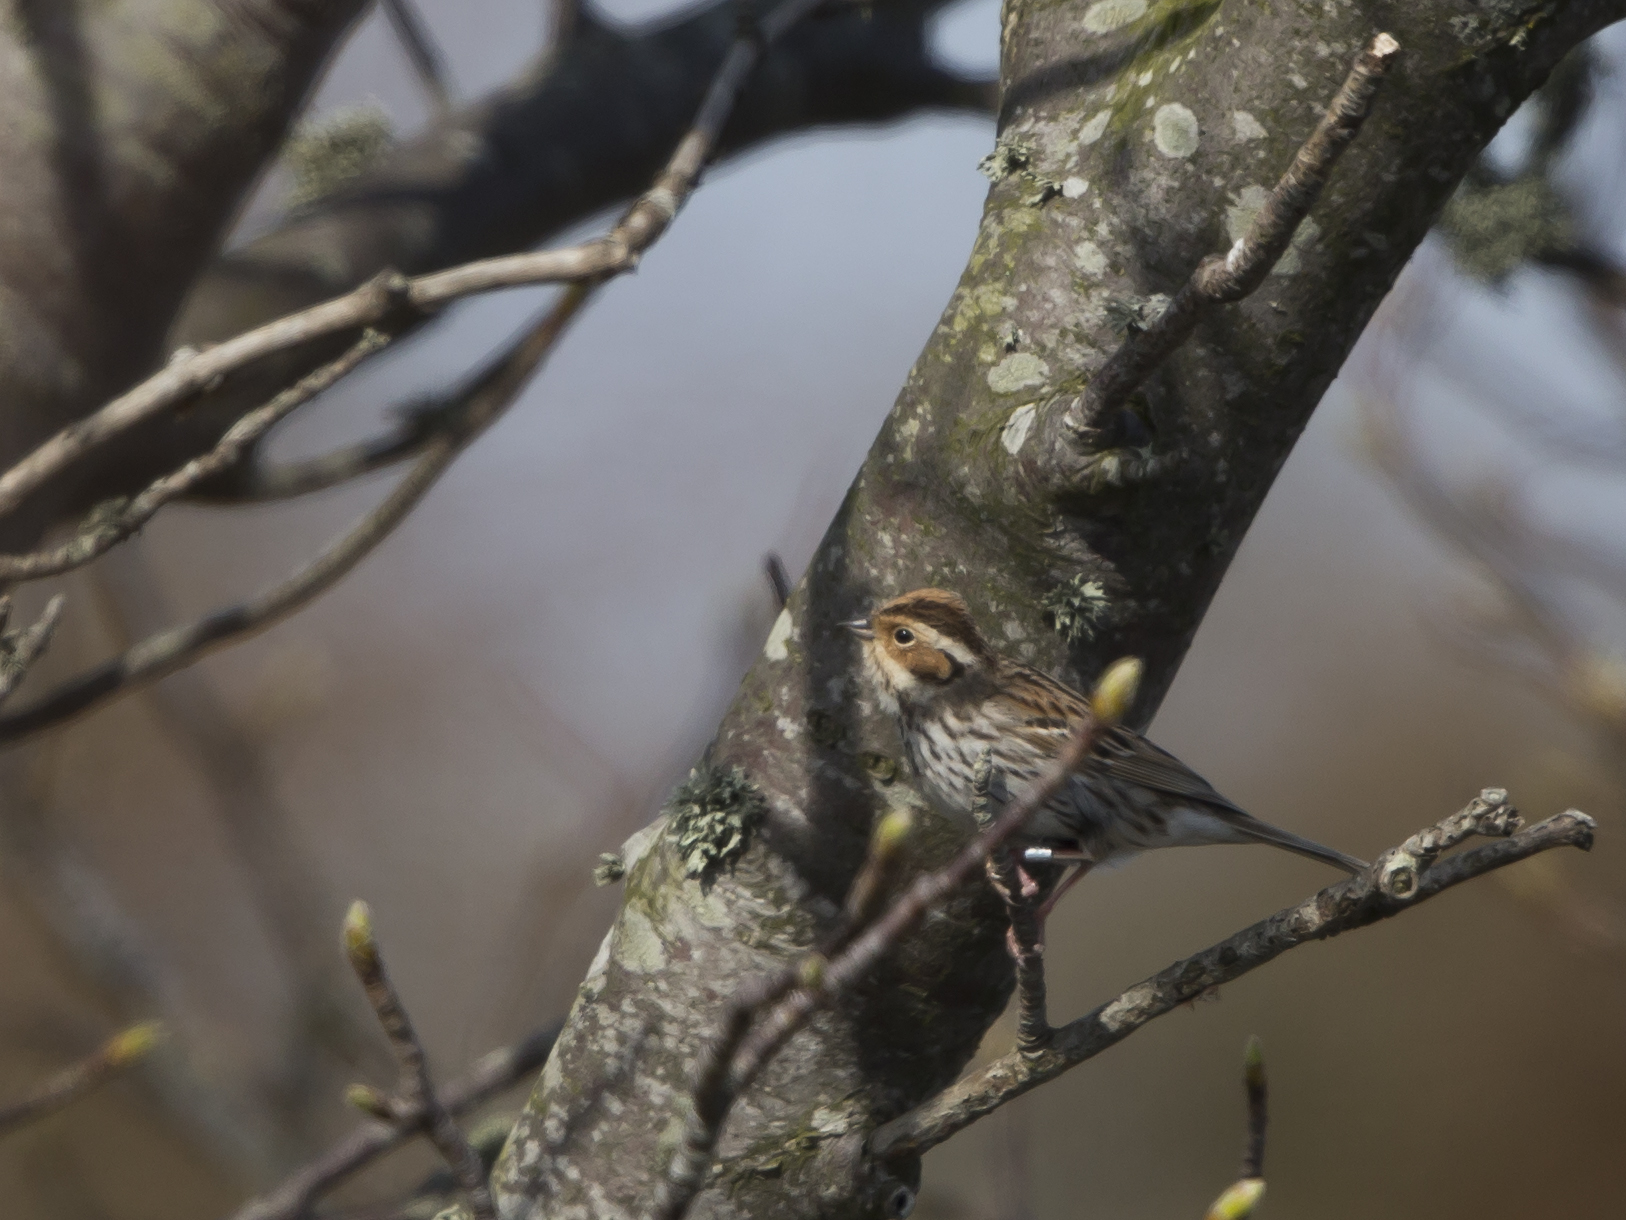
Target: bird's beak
x=861, y=628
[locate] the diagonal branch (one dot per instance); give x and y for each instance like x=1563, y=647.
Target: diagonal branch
x=1398, y=880
x=113, y=522
x=122, y=1051
x=420, y=50
x=168, y=651
x=20, y=649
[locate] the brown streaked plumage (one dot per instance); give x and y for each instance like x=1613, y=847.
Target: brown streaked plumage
x=954, y=697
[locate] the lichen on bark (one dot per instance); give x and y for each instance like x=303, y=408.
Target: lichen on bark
x=975, y=484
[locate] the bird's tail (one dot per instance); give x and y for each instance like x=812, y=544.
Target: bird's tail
x=1264, y=832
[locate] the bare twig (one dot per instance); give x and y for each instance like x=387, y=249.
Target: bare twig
x=1253, y=1083
x=122, y=1051
x=1219, y=280
x=113, y=522
x=394, y=296
x=1237, y=1201
x=164, y=653
x=108, y=955
x=494, y=1072
x=753, y=1033
x=421, y=51
x=1389, y=886
x=416, y=1094
x=20, y=649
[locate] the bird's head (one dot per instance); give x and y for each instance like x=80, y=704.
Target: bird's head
x=920, y=646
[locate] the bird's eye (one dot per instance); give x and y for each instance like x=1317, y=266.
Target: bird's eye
x=904, y=636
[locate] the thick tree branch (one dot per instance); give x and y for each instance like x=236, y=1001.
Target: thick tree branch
x=1397, y=881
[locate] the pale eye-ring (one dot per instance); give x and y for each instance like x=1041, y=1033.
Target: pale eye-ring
x=904, y=636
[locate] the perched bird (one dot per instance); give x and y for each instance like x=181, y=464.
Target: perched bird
x=955, y=697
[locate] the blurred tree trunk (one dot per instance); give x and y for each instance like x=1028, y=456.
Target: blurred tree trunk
x=1137, y=138
x=132, y=131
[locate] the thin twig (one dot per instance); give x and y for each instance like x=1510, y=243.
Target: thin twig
x=20, y=649
x=1377, y=893
x=416, y=1094
x=1025, y=937
x=123, y=1050
x=499, y=1070
x=392, y=296
x=750, y=1039
x=1219, y=280
x=1238, y=1200
x=113, y=522
x=167, y=651
x=778, y=578
x=421, y=51
x=1253, y=1084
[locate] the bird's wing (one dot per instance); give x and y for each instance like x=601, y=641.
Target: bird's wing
x=1124, y=754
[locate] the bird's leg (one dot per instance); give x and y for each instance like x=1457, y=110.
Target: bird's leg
x=1025, y=939
x=1080, y=865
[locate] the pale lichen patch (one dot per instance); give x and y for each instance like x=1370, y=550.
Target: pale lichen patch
x=1087, y=257
x=1246, y=126
x=637, y=945
x=1092, y=131
x=778, y=646
x=1104, y=16
x=1175, y=131
x=1016, y=372
x=1016, y=429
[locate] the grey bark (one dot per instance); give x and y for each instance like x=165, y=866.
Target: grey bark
x=1176, y=121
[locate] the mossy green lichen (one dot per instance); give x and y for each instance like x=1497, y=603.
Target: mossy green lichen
x=325, y=154
x=713, y=813
x=1494, y=229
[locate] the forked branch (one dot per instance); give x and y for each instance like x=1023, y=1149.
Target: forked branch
x=416, y=1099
